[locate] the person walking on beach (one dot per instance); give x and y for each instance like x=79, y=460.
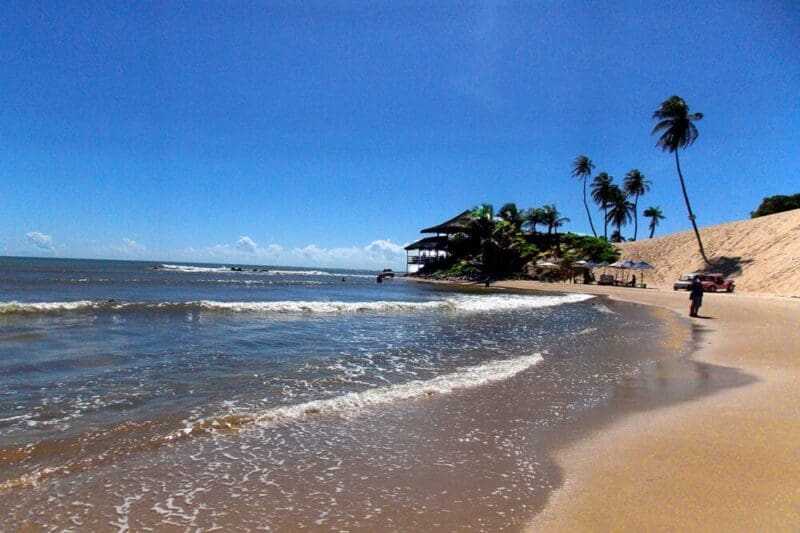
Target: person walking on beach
x=695, y=296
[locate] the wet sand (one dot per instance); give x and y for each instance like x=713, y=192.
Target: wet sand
x=724, y=461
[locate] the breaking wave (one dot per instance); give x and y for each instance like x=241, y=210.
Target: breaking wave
x=259, y=271
x=456, y=304
x=350, y=404
x=355, y=402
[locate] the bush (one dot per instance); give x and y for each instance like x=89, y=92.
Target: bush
x=776, y=204
x=587, y=247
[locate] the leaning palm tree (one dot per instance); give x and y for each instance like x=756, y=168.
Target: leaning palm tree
x=582, y=168
x=601, y=194
x=620, y=210
x=635, y=185
x=679, y=131
x=654, y=214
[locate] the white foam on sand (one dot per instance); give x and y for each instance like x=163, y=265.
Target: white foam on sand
x=461, y=303
x=354, y=403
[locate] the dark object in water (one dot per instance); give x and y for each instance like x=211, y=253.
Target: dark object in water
x=380, y=278
x=344, y=278
x=236, y=269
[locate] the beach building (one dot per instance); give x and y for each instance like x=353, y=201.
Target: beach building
x=432, y=249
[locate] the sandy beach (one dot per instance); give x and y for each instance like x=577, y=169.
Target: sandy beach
x=727, y=461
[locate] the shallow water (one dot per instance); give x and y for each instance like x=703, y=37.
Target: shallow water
x=288, y=399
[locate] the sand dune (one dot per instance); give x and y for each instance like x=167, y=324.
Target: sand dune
x=761, y=254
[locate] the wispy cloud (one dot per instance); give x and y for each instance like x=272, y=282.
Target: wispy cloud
x=40, y=241
x=131, y=247
x=377, y=254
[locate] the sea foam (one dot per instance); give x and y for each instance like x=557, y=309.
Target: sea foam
x=461, y=303
x=261, y=272
x=354, y=403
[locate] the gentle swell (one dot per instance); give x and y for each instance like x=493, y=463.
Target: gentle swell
x=459, y=303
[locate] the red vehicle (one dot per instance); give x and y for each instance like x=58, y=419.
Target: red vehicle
x=716, y=282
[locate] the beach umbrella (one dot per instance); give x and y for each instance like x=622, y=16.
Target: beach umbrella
x=628, y=265
x=546, y=264
x=617, y=264
x=643, y=265
x=581, y=264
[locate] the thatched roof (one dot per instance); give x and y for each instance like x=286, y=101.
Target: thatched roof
x=454, y=225
x=429, y=243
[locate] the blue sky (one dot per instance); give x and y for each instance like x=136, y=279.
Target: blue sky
x=329, y=133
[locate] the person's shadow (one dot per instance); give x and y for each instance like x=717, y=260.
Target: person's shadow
x=705, y=317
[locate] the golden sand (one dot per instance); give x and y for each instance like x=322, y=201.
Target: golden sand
x=725, y=462
x=763, y=254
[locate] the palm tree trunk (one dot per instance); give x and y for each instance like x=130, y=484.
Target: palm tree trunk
x=588, y=214
x=652, y=229
x=635, y=217
x=689, y=208
x=605, y=222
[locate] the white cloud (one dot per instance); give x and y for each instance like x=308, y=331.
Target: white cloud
x=246, y=244
x=244, y=249
x=41, y=241
x=129, y=246
x=379, y=253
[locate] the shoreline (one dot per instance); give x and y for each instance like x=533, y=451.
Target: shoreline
x=726, y=459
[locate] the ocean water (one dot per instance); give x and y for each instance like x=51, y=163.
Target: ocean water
x=197, y=396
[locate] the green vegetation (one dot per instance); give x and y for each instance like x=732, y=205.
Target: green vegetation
x=776, y=204
x=507, y=245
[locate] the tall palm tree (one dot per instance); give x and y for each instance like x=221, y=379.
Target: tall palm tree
x=601, y=194
x=620, y=210
x=512, y=215
x=582, y=168
x=679, y=131
x=654, y=214
x=635, y=185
